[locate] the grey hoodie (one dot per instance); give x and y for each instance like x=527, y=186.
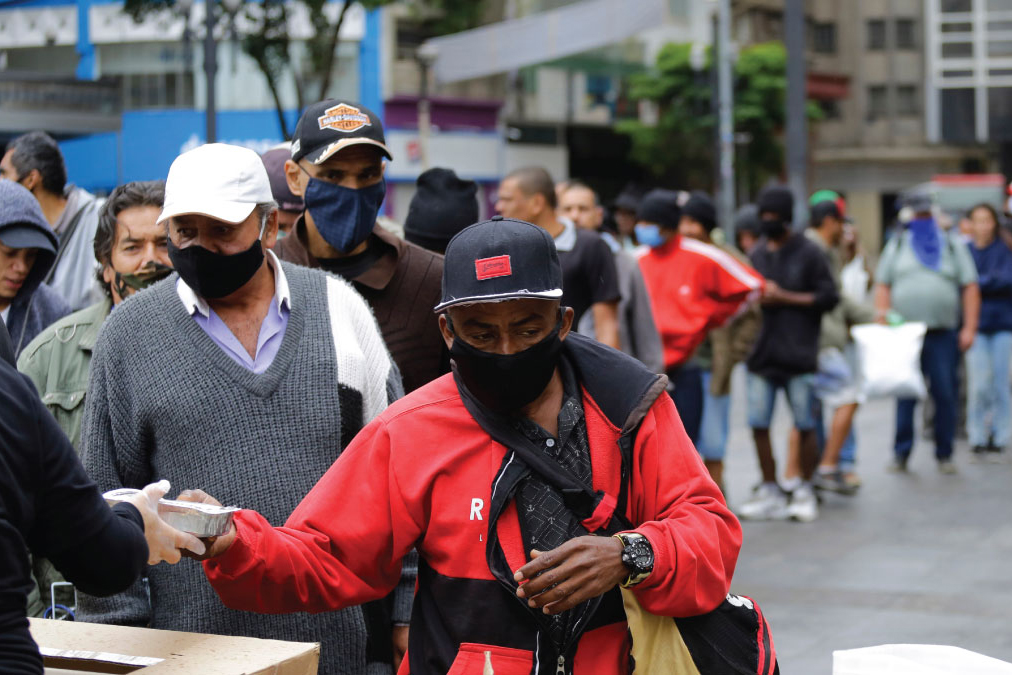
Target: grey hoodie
x=36, y=305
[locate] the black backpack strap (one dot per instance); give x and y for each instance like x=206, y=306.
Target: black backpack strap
x=579, y=497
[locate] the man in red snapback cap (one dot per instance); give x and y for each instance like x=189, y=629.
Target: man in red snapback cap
x=503, y=475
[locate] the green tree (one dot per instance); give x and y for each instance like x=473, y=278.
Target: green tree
x=267, y=42
x=680, y=149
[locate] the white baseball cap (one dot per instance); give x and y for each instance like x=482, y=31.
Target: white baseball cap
x=224, y=182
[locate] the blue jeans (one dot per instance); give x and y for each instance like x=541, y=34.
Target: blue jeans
x=716, y=421
x=939, y=359
x=687, y=381
x=848, y=452
x=988, y=393
x=762, y=394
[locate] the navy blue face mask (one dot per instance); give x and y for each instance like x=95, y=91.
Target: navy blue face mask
x=344, y=217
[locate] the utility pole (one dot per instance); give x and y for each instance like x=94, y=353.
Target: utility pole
x=725, y=93
x=210, y=70
x=797, y=121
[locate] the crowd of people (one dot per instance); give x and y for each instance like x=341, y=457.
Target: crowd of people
x=438, y=414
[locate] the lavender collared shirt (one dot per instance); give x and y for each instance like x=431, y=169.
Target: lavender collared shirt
x=272, y=330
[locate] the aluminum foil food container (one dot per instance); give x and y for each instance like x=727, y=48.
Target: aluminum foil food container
x=200, y=520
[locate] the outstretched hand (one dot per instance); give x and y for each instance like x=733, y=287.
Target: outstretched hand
x=580, y=569
x=165, y=543
x=215, y=545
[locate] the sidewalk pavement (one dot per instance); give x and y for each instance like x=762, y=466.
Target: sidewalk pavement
x=913, y=558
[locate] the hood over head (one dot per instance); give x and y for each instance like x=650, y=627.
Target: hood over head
x=22, y=225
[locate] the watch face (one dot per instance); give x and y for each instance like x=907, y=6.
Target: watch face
x=638, y=556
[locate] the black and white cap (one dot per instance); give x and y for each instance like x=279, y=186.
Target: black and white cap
x=500, y=259
x=330, y=126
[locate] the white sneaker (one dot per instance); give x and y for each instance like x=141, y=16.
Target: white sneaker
x=768, y=503
x=804, y=507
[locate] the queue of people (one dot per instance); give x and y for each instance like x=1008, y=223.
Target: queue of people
x=445, y=422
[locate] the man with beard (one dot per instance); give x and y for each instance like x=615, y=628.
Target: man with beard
x=130, y=247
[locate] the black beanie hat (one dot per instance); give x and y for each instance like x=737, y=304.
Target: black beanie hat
x=442, y=206
x=700, y=208
x=660, y=207
x=778, y=200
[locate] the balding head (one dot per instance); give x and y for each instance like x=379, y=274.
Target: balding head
x=527, y=194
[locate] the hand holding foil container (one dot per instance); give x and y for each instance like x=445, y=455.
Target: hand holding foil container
x=200, y=520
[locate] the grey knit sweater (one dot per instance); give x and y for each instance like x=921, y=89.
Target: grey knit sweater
x=164, y=401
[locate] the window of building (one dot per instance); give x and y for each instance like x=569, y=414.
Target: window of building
x=876, y=34
x=878, y=102
x=907, y=101
x=962, y=72
x=999, y=5
x=824, y=37
x=999, y=25
x=157, y=90
x=957, y=50
x=830, y=109
x=906, y=35
x=998, y=48
x=956, y=6
x=959, y=27
x=959, y=110
x=999, y=102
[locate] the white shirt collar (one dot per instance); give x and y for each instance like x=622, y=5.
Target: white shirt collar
x=194, y=303
x=567, y=238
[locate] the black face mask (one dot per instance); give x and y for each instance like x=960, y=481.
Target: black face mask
x=504, y=383
x=215, y=275
x=773, y=229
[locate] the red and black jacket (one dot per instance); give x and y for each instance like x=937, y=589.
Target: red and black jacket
x=425, y=475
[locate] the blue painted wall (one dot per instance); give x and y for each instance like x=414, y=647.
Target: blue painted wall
x=150, y=140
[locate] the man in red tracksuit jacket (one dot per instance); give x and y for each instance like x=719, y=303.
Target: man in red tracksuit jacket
x=509, y=574
x=694, y=287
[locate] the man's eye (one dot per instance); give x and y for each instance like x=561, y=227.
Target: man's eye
x=131, y=248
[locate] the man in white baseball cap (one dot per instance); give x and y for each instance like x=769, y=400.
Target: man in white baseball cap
x=239, y=374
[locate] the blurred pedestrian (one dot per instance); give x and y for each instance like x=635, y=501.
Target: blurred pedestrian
x=694, y=287
x=240, y=373
x=28, y=251
x=637, y=331
x=35, y=161
x=799, y=289
x=747, y=228
x=838, y=385
x=337, y=167
x=290, y=206
x=580, y=203
x=989, y=403
x=926, y=274
x=526, y=573
x=623, y=210
x=442, y=206
x=722, y=349
x=590, y=281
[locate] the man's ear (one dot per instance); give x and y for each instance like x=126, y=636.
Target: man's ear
x=31, y=180
x=567, y=322
x=444, y=328
x=271, y=231
x=293, y=176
